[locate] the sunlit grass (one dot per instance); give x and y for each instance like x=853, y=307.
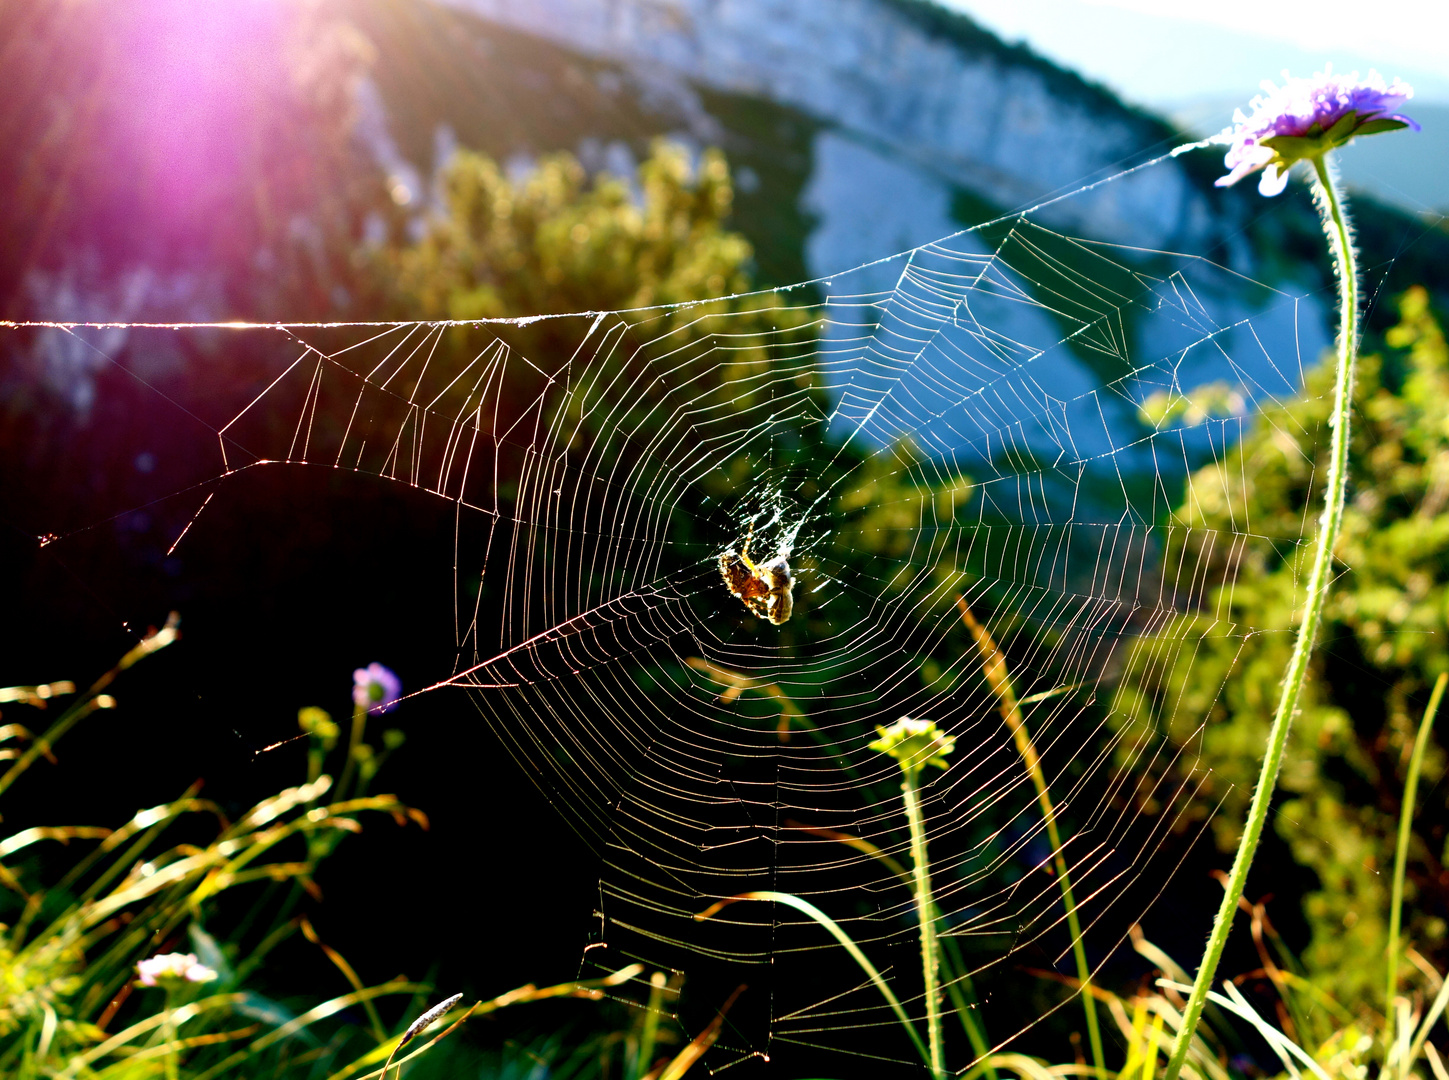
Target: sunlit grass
x=73, y=1008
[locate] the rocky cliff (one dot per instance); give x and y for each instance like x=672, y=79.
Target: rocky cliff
x=914, y=103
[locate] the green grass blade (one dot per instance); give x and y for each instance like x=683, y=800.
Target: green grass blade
x=807, y=908
x=1401, y=851
x=1284, y=1047
x=954, y=977
x=89, y=702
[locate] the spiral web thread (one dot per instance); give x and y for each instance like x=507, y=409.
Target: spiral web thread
x=954, y=428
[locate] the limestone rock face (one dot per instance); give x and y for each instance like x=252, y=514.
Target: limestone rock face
x=915, y=86
x=904, y=124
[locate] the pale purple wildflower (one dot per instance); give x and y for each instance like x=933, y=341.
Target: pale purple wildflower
x=376, y=689
x=1304, y=119
x=177, y=966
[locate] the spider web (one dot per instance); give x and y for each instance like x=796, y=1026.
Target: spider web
x=953, y=435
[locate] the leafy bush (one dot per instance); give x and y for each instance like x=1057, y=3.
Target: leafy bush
x=1214, y=673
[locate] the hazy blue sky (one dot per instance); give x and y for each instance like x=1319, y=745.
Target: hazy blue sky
x=1194, y=61
x=1165, y=53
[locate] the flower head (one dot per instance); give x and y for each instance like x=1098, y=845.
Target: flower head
x=178, y=967
x=1304, y=119
x=914, y=743
x=376, y=689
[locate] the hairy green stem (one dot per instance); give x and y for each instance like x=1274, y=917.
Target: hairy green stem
x=168, y=1036
x=925, y=912
x=1335, y=227
x=1401, y=851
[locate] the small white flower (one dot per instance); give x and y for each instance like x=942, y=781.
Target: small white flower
x=173, y=966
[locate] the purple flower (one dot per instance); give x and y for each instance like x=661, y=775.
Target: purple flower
x=376, y=689
x=1304, y=119
x=173, y=966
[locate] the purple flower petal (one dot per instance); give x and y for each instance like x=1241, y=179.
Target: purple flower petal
x=1273, y=181
x=376, y=689
x=1304, y=119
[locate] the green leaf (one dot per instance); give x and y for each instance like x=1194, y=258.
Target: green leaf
x=1294, y=148
x=1383, y=123
x=1343, y=128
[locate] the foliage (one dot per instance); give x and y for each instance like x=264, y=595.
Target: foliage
x=557, y=241
x=1213, y=672
x=69, y=1002
x=1314, y=1030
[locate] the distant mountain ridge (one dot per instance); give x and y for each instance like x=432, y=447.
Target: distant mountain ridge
x=858, y=129
x=915, y=87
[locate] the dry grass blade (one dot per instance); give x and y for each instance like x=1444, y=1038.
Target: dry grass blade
x=35, y=696
x=93, y=699
x=1436, y=1010
x=25, y=837
x=1435, y=1062
x=306, y=1019
x=122, y=1038
x=341, y=964
x=864, y=846
x=1147, y=949
x=993, y=667
x=126, y=1067
x=1284, y=1047
x=686, y=1058
x=418, y=1026
x=736, y=684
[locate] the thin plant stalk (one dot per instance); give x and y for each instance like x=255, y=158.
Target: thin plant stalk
x=925, y=913
x=168, y=1035
x=916, y=744
x=1335, y=225
x=1401, y=851
x=956, y=980
x=359, y=724
x=650, y=1030
x=993, y=665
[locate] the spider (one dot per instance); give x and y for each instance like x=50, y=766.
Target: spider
x=765, y=589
